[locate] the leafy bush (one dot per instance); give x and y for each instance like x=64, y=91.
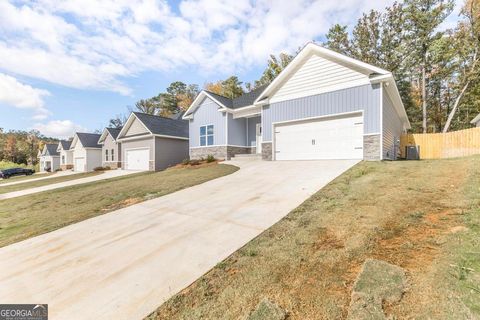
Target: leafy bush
x=99, y=169
x=8, y=164
x=210, y=158
x=195, y=162
x=107, y=168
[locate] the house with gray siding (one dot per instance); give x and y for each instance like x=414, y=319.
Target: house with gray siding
x=323, y=105
x=150, y=142
x=111, y=148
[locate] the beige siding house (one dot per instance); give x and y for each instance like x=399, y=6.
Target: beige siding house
x=153, y=143
x=111, y=149
x=86, y=152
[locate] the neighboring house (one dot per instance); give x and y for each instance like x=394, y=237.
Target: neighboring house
x=66, y=155
x=152, y=142
x=86, y=152
x=111, y=149
x=476, y=121
x=49, y=158
x=323, y=105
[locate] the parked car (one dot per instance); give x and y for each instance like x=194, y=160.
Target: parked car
x=7, y=173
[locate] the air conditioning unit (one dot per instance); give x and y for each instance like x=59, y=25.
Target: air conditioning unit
x=412, y=152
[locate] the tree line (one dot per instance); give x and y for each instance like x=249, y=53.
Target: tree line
x=21, y=147
x=437, y=71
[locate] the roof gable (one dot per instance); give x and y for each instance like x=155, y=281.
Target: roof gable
x=140, y=124
x=326, y=61
x=112, y=132
x=86, y=140
x=50, y=149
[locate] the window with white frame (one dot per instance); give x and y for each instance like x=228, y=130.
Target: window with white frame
x=113, y=155
x=106, y=154
x=63, y=159
x=206, y=135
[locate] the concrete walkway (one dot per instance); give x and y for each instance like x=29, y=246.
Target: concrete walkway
x=102, y=176
x=124, y=264
x=55, y=175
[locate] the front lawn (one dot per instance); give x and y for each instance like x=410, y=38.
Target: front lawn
x=28, y=216
x=44, y=182
x=25, y=178
x=423, y=216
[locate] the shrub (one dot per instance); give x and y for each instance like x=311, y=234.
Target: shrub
x=8, y=164
x=186, y=162
x=194, y=162
x=58, y=170
x=98, y=169
x=107, y=168
x=210, y=158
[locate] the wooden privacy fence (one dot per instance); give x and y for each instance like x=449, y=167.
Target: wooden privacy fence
x=444, y=145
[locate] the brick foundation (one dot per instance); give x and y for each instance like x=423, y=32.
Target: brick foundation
x=219, y=152
x=64, y=167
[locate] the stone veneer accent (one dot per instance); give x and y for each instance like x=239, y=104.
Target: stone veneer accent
x=371, y=147
x=64, y=167
x=219, y=152
x=112, y=165
x=267, y=151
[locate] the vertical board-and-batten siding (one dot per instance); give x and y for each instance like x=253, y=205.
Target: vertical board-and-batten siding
x=207, y=113
x=317, y=75
x=237, y=134
x=392, y=127
x=252, y=131
x=365, y=97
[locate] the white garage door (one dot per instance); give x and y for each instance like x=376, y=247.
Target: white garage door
x=327, y=138
x=79, y=164
x=137, y=159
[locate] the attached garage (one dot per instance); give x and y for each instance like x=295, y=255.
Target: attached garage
x=323, y=138
x=79, y=164
x=137, y=159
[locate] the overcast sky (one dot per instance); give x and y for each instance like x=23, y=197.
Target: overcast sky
x=73, y=64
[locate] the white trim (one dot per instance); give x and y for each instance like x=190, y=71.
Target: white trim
x=124, y=167
x=371, y=134
x=323, y=90
x=246, y=122
x=305, y=53
x=128, y=124
x=206, y=135
x=333, y=115
x=381, y=121
x=143, y=136
x=189, y=113
x=170, y=137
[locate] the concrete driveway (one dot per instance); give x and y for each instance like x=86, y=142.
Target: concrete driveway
x=105, y=175
x=124, y=264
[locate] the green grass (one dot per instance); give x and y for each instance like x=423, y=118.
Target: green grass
x=24, y=178
x=27, y=216
x=401, y=212
x=44, y=182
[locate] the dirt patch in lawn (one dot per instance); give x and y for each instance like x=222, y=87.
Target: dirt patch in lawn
x=399, y=212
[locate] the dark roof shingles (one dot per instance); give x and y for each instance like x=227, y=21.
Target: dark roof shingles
x=52, y=149
x=164, y=126
x=89, y=140
x=114, y=132
x=65, y=144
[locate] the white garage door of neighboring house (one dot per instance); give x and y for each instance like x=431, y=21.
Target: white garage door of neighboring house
x=325, y=138
x=137, y=159
x=79, y=164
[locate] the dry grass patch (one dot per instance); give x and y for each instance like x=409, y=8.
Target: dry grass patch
x=31, y=215
x=399, y=212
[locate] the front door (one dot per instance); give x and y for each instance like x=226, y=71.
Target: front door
x=259, y=137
